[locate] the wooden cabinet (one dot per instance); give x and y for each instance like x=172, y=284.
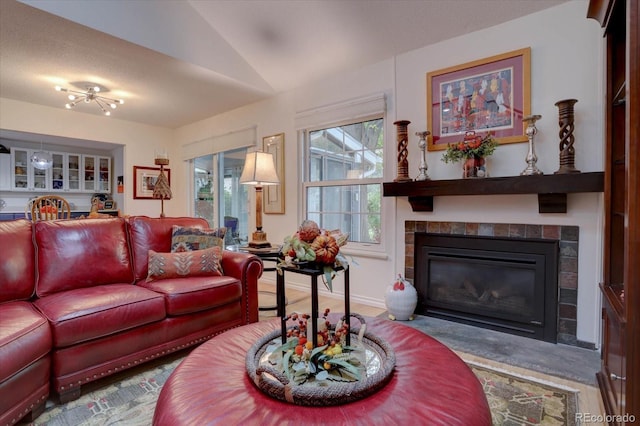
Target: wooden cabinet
x=619, y=377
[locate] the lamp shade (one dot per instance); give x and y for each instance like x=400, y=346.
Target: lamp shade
x=259, y=169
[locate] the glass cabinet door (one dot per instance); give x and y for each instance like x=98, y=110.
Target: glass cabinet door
x=40, y=179
x=104, y=174
x=73, y=170
x=20, y=160
x=89, y=170
x=57, y=172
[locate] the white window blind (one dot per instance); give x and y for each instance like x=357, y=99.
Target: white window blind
x=350, y=110
x=220, y=143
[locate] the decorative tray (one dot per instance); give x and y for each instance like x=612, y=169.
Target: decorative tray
x=376, y=369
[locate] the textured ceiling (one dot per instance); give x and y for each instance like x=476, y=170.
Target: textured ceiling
x=175, y=62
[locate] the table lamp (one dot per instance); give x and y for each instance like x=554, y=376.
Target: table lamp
x=161, y=188
x=259, y=170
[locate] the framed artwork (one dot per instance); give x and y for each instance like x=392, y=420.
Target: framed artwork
x=487, y=95
x=144, y=180
x=273, y=199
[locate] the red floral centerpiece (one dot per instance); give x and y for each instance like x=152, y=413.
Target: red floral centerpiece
x=315, y=247
x=473, y=150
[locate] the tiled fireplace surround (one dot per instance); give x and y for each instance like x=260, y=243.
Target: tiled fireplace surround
x=568, y=237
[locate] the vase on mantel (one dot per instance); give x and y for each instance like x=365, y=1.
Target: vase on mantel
x=474, y=167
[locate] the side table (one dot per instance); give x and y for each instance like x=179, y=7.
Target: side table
x=314, y=272
x=267, y=254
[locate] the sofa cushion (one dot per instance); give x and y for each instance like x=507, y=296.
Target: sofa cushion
x=25, y=337
x=148, y=233
x=17, y=270
x=187, y=239
x=185, y=264
x=89, y=313
x=188, y=295
x=81, y=253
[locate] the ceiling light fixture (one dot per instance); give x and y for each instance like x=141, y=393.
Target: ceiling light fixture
x=88, y=96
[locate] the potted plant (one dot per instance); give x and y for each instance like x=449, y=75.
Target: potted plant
x=472, y=150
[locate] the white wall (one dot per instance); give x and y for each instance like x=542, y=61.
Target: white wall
x=137, y=141
x=566, y=54
x=567, y=58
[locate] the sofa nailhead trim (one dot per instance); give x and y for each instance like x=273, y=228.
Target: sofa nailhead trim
x=152, y=356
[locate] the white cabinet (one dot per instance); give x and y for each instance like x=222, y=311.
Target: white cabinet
x=24, y=176
x=5, y=172
x=73, y=172
x=70, y=173
x=65, y=172
x=96, y=173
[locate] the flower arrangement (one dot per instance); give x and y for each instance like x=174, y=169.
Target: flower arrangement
x=472, y=146
x=331, y=360
x=310, y=244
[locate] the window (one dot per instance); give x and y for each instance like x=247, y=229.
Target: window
x=344, y=173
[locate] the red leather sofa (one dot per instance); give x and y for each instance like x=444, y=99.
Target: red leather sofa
x=75, y=305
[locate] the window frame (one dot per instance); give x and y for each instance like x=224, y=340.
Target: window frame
x=365, y=249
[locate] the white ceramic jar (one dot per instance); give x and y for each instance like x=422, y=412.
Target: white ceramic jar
x=401, y=299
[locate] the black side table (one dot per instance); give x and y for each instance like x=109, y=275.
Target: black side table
x=267, y=254
x=314, y=272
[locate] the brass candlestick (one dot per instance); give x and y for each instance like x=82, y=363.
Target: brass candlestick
x=532, y=158
x=403, y=164
x=422, y=144
x=567, y=152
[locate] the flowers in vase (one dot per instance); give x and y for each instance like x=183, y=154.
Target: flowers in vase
x=472, y=146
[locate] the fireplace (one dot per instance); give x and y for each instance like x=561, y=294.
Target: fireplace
x=506, y=284
x=566, y=238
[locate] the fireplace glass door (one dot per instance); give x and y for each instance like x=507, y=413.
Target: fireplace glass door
x=504, y=284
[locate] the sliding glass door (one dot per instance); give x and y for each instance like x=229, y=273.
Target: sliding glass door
x=218, y=196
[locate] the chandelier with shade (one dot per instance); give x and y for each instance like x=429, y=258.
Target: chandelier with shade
x=90, y=94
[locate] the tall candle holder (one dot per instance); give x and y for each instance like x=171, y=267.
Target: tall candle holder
x=567, y=151
x=402, y=139
x=532, y=158
x=422, y=144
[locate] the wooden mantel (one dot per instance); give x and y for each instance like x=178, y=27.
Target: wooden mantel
x=552, y=189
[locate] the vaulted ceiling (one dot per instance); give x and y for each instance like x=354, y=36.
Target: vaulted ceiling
x=175, y=62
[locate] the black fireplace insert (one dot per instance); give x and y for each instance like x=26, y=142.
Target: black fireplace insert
x=505, y=284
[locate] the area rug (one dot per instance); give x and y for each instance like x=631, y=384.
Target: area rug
x=513, y=400
x=518, y=400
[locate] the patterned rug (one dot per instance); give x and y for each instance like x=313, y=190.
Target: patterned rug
x=130, y=399
x=518, y=400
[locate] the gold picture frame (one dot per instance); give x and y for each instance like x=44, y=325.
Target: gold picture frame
x=273, y=202
x=487, y=95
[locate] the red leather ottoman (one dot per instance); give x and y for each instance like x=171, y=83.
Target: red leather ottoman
x=431, y=385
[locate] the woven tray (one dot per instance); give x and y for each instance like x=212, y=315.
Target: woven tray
x=380, y=363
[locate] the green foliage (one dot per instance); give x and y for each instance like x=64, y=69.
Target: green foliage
x=472, y=146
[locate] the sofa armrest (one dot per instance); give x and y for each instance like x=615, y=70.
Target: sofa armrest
x=248, y=269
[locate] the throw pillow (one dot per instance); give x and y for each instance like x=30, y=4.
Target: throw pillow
x=187, y=239
x=184, y=264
